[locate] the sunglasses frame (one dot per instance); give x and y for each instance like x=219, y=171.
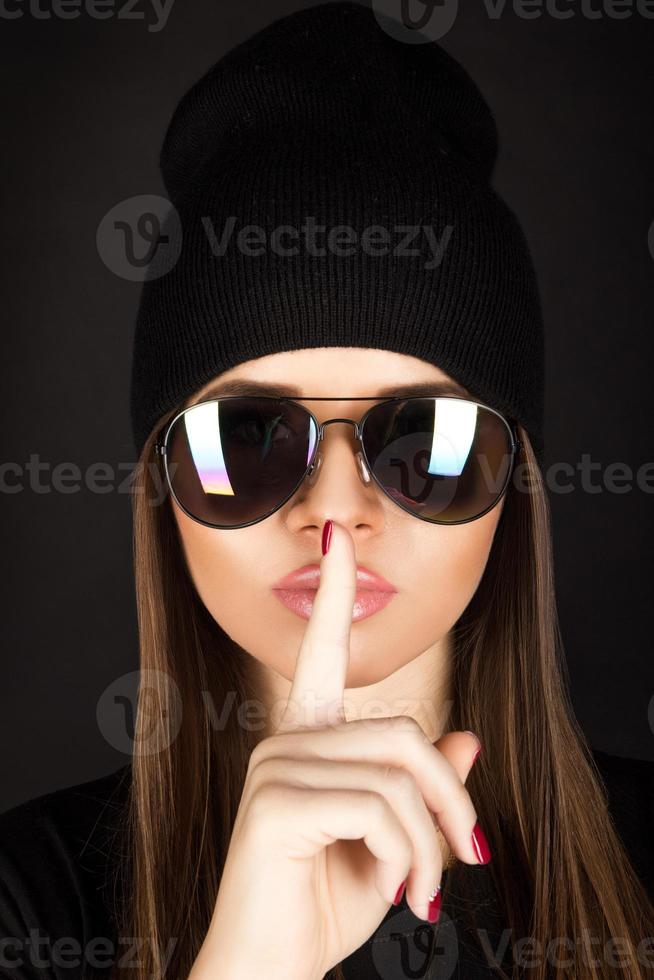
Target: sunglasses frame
x=161, y=448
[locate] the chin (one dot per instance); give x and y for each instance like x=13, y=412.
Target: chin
x=365, y=674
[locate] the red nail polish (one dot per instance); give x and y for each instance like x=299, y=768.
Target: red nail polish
x=474, y=758
x=480, y=844
x=400, y=893
x=326, y=536
x=434, y=909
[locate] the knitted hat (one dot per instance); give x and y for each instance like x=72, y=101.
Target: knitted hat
x=331, y=187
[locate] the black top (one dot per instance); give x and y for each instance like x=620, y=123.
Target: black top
x=56, y=852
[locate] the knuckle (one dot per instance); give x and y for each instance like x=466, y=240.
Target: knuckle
x=260, y=752
x=409, y=728
x=272, y=745
x=377, y=807
x=459, y=797
x=380, y=814
x=401, y=782
x=265, y=771
x=267, y=802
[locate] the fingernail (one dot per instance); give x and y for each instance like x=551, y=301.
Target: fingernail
x=326, y=537
x=434, y=909
x=474, y=758
x=400, y=893
x=480, y=844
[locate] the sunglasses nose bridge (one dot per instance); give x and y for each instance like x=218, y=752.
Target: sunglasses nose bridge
x=323, y=425
x=364, y=472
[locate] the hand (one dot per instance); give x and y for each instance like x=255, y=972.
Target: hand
x=334, y=815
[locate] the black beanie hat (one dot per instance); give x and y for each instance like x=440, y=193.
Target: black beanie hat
x=325, y=119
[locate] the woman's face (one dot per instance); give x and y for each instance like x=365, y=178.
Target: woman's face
x=435, y=569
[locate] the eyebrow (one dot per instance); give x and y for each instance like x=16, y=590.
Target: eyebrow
x=245, y=386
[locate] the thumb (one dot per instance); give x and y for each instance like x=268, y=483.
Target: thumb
x=460, y=749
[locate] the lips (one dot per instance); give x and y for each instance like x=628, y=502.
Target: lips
x=297, y=592
x=308, y=577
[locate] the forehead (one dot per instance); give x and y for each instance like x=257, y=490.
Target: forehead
x=332, y=373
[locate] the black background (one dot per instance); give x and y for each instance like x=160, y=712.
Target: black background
x=85, y=107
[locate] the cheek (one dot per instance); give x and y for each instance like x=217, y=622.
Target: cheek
x=221, y=565
x=467, y=547
x=449, y=565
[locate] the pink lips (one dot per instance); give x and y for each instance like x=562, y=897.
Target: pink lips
x=296, y=591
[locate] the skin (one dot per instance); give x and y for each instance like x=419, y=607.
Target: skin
x=436, y=569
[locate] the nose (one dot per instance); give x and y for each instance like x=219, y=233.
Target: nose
x=339, y=486
x=362, y=467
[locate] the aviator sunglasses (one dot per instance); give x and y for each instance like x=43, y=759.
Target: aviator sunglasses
x=233, y=461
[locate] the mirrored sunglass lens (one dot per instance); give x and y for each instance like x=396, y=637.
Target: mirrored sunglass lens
x=445, y=459
x=232, y=461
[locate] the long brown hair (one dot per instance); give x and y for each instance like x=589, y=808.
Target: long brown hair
x=558, y=865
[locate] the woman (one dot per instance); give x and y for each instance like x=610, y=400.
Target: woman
x=359, y=760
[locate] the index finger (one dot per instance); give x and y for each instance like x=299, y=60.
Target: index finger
x=316, y=696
